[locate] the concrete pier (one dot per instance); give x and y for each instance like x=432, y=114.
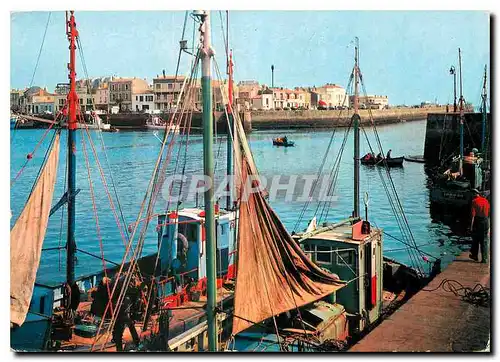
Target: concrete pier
x=436, y=321
x=336, y=118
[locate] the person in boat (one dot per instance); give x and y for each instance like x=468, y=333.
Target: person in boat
x=100, y=297
x=388, y=156
x=452, y=173
x=285, y=139
x=379, y=157
x=471, y=158
x=480, y=225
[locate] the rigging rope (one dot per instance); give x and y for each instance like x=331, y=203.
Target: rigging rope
x=30, y=155
x=151, y=193
x=405, y=229
x=96, y=216
x=101, y=138
x=320, y=171
x=40, y=51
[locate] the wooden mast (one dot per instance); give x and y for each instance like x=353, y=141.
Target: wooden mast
x=230, y=131
x=356, y=120
x=461, y=105
x=72, y=127
x=484, y=112
x=208, y=170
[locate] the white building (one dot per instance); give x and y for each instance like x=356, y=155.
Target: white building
x=332, y=94
x=263, y=101
x=143, y=102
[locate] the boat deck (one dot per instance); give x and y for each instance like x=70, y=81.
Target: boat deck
x=436, y=321
x=184, y=318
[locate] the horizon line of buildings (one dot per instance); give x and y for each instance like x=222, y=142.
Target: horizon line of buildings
x=132, y=94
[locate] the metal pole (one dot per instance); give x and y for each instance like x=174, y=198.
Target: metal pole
x=356, y=130
x=454, y=73
x=230, y=132
x=461, y=101
x=272, y=76
x=72, y=126
x=454, y=91
x=208, y=168
x=484, y=111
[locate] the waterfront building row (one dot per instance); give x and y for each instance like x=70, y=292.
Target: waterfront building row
x=121, y=94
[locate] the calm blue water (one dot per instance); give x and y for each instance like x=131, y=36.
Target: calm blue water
x=131, y=157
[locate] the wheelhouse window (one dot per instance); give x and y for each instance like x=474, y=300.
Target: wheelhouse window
x=308, y=250
x=189, y=230
x=346, y=258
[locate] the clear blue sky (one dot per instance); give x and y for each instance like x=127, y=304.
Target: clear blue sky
x=405, y=55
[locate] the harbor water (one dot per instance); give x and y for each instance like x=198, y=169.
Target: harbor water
x=128, y=165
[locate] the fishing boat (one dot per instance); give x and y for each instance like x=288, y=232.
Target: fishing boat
x=368, y=159
x=188, y=285
x=453, y=186
x=217, y=273
x=415, y=158
x=13, y=121
x=283, y=141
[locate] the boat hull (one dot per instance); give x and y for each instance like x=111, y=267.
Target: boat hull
x=283, y=144
x=391, y=162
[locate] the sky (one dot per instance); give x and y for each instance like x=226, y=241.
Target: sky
x=405, y=55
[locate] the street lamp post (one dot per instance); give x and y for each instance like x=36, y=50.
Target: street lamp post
x=453, y=72
x=272, y=76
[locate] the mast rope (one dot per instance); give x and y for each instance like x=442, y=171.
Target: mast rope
x=321, y=167
x=96, y=216
x=186, y=133
x=40, y=51
x=393, y=199
x=30, y=155
x=151, y=193
x=101, y=138
x=336, y=166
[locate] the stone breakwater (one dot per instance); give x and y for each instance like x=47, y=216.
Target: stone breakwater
x=336, y=118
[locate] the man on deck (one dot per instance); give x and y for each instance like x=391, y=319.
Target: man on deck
x=124, y=315
x=480, y=213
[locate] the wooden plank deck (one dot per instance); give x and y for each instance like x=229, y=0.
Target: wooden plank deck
x=436, y=321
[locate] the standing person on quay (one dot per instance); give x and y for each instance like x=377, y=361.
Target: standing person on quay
x=480, y=226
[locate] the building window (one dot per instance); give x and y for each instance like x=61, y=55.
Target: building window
x=126, y=87
x=323, y=254
x=81, y=101
x=141, y=98
x=170, y=85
